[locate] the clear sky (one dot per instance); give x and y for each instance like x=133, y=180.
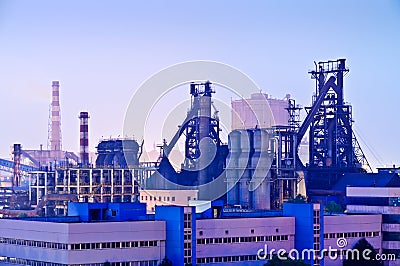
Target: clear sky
x=101, y=51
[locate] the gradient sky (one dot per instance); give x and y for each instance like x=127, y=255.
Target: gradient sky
x=101, y=51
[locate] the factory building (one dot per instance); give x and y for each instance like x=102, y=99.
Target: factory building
x=236, y=241
x=69, y=241
x=88, y=184
x=123, y=234
x=351, y=228
x=384, y=201
x=110, y=181
x=262, y=168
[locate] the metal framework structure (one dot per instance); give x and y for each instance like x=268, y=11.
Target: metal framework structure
x=202, y=125
x=283, y=169
x=333, y=148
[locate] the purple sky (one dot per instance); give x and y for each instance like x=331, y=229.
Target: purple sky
x=101, y=51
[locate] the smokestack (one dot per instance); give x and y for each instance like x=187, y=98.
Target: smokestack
x=55, y=140
x=84, y=138
x=16, y=182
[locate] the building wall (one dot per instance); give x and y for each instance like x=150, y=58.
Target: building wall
x=352, y=228
x=166, y=197
x=309, y=228
x=389, y=207
x=236, y=241
x=83, y=243
x=368, y=192
x=180, y=228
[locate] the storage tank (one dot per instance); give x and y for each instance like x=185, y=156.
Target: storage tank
x=260, y=162
x=246, y=146
x=232, y=173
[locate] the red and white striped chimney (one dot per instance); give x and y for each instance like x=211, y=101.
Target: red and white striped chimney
x=84, y=138
x=55, y=140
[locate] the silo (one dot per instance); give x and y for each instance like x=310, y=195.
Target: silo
x=260, y=165
x=243, y=165
x=232, y=173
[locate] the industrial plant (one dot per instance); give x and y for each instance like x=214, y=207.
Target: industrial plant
x=272, y=159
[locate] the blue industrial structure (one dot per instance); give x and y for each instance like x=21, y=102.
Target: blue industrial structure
x=8, y=166
x=91, y=212
x=309, y=228
x=181, y=230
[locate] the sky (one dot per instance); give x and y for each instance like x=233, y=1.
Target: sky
x=102, y=51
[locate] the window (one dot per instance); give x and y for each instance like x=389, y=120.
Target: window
x=173, y=198
x=188, y=198
x=113, y=213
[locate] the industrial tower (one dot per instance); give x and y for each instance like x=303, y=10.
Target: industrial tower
x=84, y=138
x=333, y=148
x=55, y=127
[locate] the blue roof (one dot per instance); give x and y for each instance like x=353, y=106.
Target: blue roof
x=367, y=180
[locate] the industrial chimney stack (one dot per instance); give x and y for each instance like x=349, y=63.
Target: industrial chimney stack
x=55, y=140
x=84, y=138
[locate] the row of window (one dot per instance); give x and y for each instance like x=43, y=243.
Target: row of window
x=79, y=246
x=225, y=240
x=20, y=261
x=350, y=234
x=105, y=245
x=143, y=198
x=227, y=259
x=32, y=243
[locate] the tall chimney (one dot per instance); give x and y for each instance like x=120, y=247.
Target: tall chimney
x=84, y=138
x=16, y=181
x=55, y=140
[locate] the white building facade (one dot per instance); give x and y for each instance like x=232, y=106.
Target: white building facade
x=38, y=243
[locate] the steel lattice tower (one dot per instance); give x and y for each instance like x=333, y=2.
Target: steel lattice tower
x=332, y=149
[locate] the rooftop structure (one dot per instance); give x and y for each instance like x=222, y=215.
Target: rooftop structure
x=260, y=111
x=153, y=198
